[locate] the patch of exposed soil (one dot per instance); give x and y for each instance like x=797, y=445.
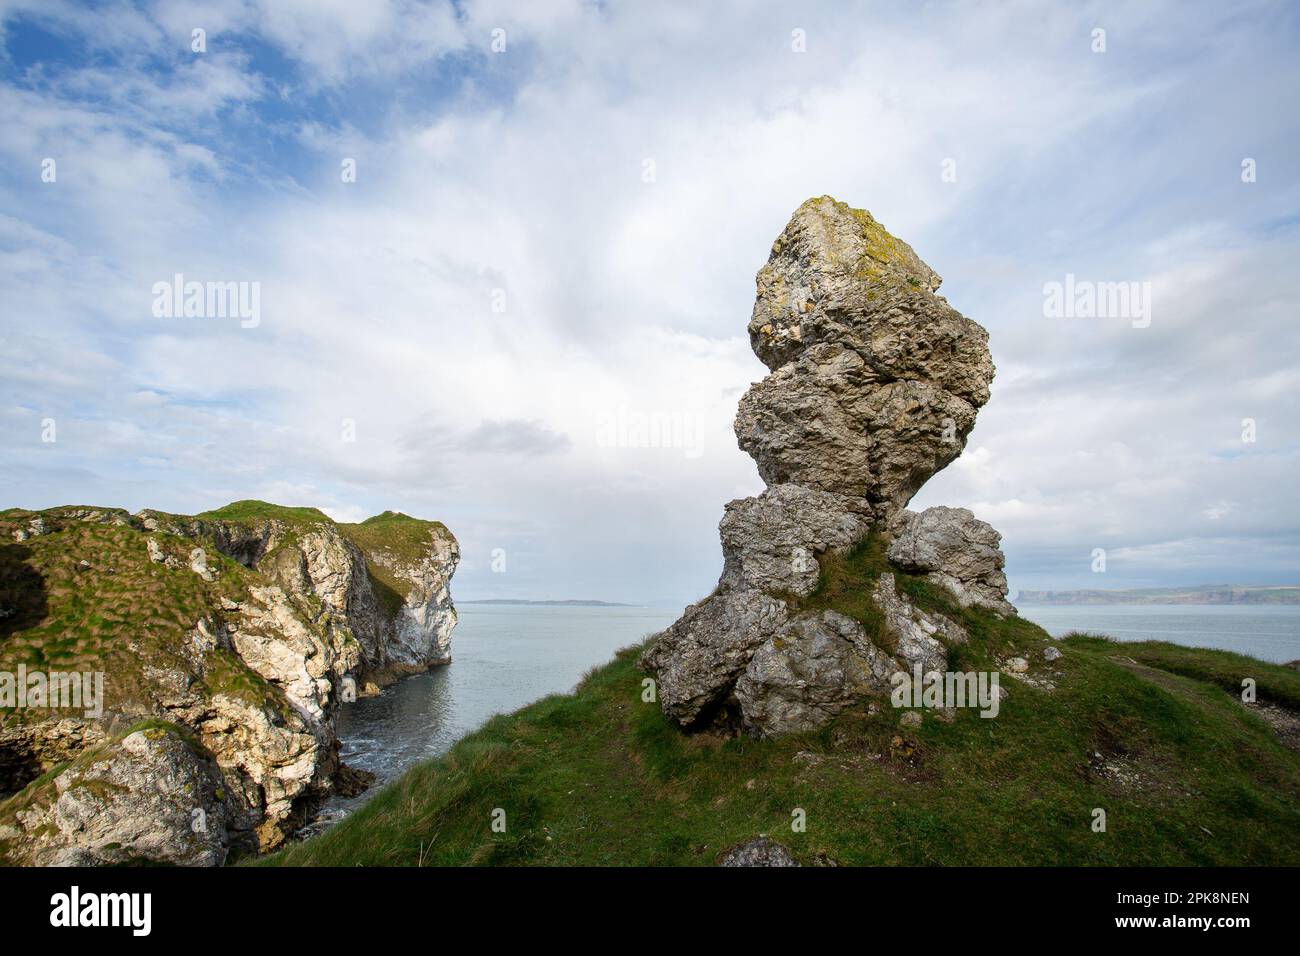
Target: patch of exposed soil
x=1285, y=722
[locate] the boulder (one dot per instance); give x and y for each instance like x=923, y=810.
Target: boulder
x=199, y=564
x=876, y=379
x=824, y=422
x=771, y=543
x=953, y=548
x=698, y=659
x=807, y=672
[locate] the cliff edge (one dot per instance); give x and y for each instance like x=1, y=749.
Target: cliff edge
x=169, y=683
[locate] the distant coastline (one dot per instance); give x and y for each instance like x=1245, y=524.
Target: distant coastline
x=548, y=603
x=1201, y=594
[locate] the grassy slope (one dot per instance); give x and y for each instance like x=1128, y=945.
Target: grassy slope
x=599, y=777
x=250, y=509
x=392, y=537
x=113, y=616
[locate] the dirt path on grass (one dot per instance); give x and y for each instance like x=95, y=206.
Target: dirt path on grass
x=1284, y=722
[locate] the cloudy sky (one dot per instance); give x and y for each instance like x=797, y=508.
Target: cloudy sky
x=551, y=237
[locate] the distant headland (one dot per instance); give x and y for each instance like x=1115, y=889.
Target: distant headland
x=548, y=603
x=1201, y=594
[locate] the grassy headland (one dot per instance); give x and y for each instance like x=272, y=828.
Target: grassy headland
x=1151, y=733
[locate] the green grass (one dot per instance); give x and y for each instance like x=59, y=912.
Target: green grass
x=601, y=778
x=251, y=509
x=841, y=586
x=1273, y=684
x=390, y=539
x=119, y=615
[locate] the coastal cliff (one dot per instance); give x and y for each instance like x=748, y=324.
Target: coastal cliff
x=174, y=680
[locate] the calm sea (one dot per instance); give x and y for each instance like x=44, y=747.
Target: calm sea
x=1269, y=632
x=503, y=657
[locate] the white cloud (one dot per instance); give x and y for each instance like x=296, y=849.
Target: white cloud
x=525, y=177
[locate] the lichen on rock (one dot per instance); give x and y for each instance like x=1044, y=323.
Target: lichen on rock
x=875, y=379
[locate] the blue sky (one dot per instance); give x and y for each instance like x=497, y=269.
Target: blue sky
x=503, y=279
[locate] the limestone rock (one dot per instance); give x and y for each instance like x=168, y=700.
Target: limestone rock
x=824, y=421
x=27, y=748
x=876, y=378
x=253, y=684
x=276, y=642
x=923, y=639
x=770, y=543
x=149, y=796
x=698, y=659
x=875, y=383
x=760, y=851
x=954, y=549
x=35, y=528
x=810, y=670
x=1051, y=654
x=321, y=560
x=199, y=564
x=421, y=633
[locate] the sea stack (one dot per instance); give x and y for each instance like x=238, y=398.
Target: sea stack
x=875, y=383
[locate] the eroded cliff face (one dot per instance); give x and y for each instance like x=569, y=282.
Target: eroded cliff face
x=875, y=383
x=226, y=643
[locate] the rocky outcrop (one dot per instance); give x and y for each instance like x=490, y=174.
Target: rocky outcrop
x=812, y=668
x=151, y=796
x=698, y=659
x=379, y=587
x=875, y=383
x=243, y=630
x=875, y=379
x=770, y=543
x=920, y=639
x=953, y=548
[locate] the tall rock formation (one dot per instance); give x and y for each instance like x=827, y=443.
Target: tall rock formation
x=226, y=643
x=875, y=382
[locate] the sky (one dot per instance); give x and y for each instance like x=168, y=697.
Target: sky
x=503, y=257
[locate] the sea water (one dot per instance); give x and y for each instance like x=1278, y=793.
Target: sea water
x=503, y=657
x=1270, y=632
